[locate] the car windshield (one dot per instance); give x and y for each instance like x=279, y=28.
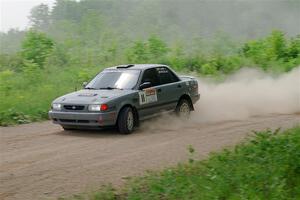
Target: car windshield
x=118, y=79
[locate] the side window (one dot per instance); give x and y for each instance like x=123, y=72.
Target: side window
x=166, y=76
x=150, y=75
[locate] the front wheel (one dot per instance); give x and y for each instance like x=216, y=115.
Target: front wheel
x=126, y=120
x=183, y=109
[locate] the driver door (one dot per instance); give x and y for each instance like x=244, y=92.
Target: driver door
x=150, y=98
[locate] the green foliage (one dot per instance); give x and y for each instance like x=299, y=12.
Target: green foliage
x=272, y=50
x=6, y=82
x=11, y=116
x=209, y=68
x=138, y=53
x=276, y=46
x=256, y=51
x=154, y=50
x=107, y=192
x=31, y=72
x=58, y=56
x=29, y=93
x=157, y=48
x=266, y=166
x=104, y=193
x=11, y=62
x=36, y=47
x=293, y=50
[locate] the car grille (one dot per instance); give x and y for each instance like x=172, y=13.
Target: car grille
x=68, y=120
x=74, y=121
x=73, y=107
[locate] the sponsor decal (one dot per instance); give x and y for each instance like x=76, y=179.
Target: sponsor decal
x=148, y=95
x=162, y=70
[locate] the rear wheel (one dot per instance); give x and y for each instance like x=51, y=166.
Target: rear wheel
x=126, y=120
x=183, y=109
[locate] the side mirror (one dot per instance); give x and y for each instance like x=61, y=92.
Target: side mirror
x=145, y=85
x=84, y=84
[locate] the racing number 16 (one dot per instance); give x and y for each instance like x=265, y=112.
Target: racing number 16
x=142, y=98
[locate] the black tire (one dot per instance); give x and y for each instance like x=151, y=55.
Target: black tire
x=183, y=109
x=126, y=121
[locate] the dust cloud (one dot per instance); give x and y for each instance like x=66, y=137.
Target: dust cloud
x=247, y=93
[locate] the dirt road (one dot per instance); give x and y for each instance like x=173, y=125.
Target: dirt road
x=41, y=161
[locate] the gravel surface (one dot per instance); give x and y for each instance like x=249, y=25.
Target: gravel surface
x=41, y=161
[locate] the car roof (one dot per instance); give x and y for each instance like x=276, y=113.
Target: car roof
x=136, y=66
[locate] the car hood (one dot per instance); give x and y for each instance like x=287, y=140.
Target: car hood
x=91, y=96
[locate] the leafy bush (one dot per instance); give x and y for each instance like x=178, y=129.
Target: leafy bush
x=12, y=62
x=11, y=116
x=157, y=48
x=36, y=47
x=209, y=68
x=274, y=49
x=138, y=53
x=142, y=52
x=5, y=80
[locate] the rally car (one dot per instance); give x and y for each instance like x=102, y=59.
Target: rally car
x=123, y=95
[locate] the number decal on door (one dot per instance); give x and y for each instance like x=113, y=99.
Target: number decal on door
x=148, y=95
x=142, y=98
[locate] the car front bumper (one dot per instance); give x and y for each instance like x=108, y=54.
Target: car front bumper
x=83, y=119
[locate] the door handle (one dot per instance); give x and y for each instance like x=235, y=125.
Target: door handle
x=179, y=86
x=158, y=90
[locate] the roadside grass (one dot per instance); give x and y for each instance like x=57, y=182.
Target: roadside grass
x=265, y=166
x=28, y=97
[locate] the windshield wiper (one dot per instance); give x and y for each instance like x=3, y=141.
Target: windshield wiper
x=90, y=88
x=109, y=88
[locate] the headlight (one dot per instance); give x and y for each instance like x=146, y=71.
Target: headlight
x=56, y=106
x=102, y=107
x=94, y=107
